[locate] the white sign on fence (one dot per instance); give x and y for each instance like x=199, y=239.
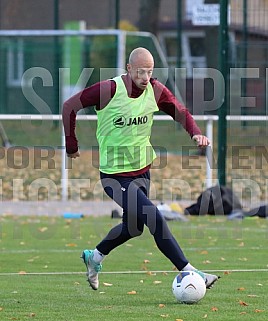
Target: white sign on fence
x=206, y=15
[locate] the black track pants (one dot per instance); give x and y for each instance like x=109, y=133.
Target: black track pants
x=131, y=193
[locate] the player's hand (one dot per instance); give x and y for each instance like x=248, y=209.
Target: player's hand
x=201, y=141
x=74, y=155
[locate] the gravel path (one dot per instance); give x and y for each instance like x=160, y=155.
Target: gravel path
x=57, y=208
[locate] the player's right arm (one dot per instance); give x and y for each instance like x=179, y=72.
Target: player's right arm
x=74, y=155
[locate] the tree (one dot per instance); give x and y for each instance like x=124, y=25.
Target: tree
x=149, y=15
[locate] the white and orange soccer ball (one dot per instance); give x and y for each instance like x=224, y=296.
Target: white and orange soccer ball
x=188, y=287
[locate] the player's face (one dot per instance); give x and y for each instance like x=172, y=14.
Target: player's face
x=141, y=71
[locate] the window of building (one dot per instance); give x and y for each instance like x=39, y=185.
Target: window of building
x=15, y=62
x=192, y=48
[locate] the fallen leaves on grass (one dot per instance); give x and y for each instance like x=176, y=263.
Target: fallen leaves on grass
x=157, y=282
x=86, y=167
x=256, y=311
x=244, y=259
x=107, y=284
x=42, y=229
x=214, y=309
x=71, y=245
x=207, y=262
x=22, y=272
x=151, y=273
x=144, y=268
x=243, y=303
x=227, y=272
x=33, y=259
x=161, y=305
x=132, y=292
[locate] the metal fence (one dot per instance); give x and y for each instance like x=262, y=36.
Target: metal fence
x=40, y=68
x=242, y=46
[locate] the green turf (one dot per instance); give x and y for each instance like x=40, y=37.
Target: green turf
x=45, y=245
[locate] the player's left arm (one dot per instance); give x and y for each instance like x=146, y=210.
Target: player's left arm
x=201, y=140
x=169, y=104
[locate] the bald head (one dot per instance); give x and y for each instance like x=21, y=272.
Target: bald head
x=140, y=55
x=140, y=67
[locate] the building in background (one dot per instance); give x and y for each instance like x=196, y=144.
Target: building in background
x=248, y=35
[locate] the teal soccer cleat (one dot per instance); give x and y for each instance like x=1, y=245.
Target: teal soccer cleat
x=209, y=279
x=93, y=268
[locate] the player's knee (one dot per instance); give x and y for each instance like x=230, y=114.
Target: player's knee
x=135, y=231
x=157, y=225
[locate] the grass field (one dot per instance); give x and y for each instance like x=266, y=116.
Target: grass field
x=42, y=277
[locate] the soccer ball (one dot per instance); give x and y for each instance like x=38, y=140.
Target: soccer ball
x=188, y=287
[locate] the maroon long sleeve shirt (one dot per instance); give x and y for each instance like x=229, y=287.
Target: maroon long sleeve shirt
x=100, y=94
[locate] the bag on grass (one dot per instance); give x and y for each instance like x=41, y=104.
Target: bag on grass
x=216, y=200
x=261, y=211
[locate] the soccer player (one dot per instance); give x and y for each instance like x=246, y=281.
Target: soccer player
x=125, y=107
